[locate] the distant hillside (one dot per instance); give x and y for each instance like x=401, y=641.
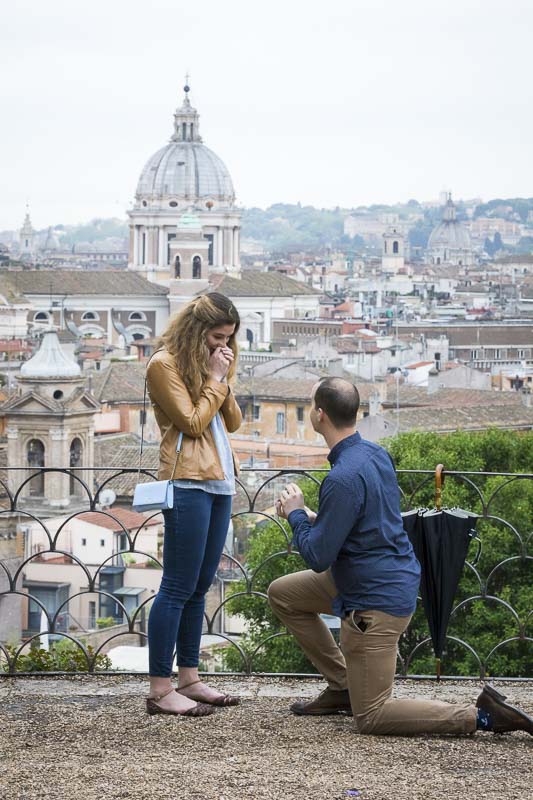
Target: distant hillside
x=94, y=231
x=285, y=227
x=516, y=209
x=293, y=227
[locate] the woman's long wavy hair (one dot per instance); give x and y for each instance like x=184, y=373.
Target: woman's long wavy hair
x=185, y=338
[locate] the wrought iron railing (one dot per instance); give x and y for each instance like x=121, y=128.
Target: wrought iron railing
x=490, y=626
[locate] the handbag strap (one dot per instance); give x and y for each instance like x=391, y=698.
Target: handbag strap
x=141, y=448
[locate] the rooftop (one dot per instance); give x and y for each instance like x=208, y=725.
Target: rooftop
x=279, y=388
x=89, y=736
x=112, y=451
x=273, y=388
x=262, y=284
x=470, y=418
x=419, y=364
x=128, y=519
x=475, y=334
x=50, y=361
x=77, y=282
x=120, y=382
x=451, y=398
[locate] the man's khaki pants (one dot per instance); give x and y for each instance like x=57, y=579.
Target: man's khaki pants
x=367, y=663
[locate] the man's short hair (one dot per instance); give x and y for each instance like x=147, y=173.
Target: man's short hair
x=339, y=399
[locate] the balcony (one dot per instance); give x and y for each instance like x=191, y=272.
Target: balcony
x=48, y=589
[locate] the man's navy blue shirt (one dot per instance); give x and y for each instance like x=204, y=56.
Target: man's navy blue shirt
x=359, y=532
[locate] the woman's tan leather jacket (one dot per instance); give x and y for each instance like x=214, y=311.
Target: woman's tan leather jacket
x=175, y=412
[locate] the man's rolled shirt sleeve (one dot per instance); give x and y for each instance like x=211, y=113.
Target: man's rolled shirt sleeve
x=319, y=544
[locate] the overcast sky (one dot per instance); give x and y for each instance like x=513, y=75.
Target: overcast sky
x=329, y=103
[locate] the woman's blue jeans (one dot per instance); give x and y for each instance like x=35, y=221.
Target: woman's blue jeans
x=195, y=532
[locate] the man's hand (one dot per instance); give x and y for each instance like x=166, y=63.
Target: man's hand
x=279, y=509
x=290, y=499
x=311, y=515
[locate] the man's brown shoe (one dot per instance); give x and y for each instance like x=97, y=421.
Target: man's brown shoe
x=330, y=701
x=504, y=717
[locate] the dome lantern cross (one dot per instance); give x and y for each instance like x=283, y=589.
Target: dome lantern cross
x=186, y=120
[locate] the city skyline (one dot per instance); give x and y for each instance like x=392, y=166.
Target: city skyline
x=371, y=104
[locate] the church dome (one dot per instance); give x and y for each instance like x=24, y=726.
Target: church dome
x=50, y=361
x=185, y=169
x=450, y=233
x=51, y=242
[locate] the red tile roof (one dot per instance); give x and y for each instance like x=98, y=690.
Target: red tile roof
x=419, y=364
x=131, y=520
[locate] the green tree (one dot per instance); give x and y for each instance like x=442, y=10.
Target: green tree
x=502, y=569
x=493, y=246
x=525, y=245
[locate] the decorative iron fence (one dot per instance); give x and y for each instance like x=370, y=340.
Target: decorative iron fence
x=65, y=575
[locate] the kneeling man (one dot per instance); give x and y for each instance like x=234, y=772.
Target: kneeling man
x=363, y=569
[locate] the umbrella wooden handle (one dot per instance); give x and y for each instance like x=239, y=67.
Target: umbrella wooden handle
x=439, y=480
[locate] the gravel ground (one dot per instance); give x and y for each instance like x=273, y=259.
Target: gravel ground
x=89, y=737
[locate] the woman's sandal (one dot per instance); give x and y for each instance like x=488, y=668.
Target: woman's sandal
x=223, y=700
x=199, y=710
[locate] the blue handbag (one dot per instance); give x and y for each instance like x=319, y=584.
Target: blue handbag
x=156, y=495
x=153, y=495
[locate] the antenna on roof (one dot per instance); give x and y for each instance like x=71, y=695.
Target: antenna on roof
x=107, y=497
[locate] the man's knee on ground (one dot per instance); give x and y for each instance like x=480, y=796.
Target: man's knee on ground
x=365, y=723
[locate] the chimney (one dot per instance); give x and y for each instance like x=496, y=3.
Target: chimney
x=374, y=404
x=433, y=380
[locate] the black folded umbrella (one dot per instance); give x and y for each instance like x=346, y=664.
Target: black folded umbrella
x=440, y=539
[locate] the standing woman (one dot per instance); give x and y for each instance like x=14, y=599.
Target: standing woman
x=189, y=383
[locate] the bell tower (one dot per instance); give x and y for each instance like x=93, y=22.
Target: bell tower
x=50, y=423
x=189, y=259
x=393, y=257
x=27, y=237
